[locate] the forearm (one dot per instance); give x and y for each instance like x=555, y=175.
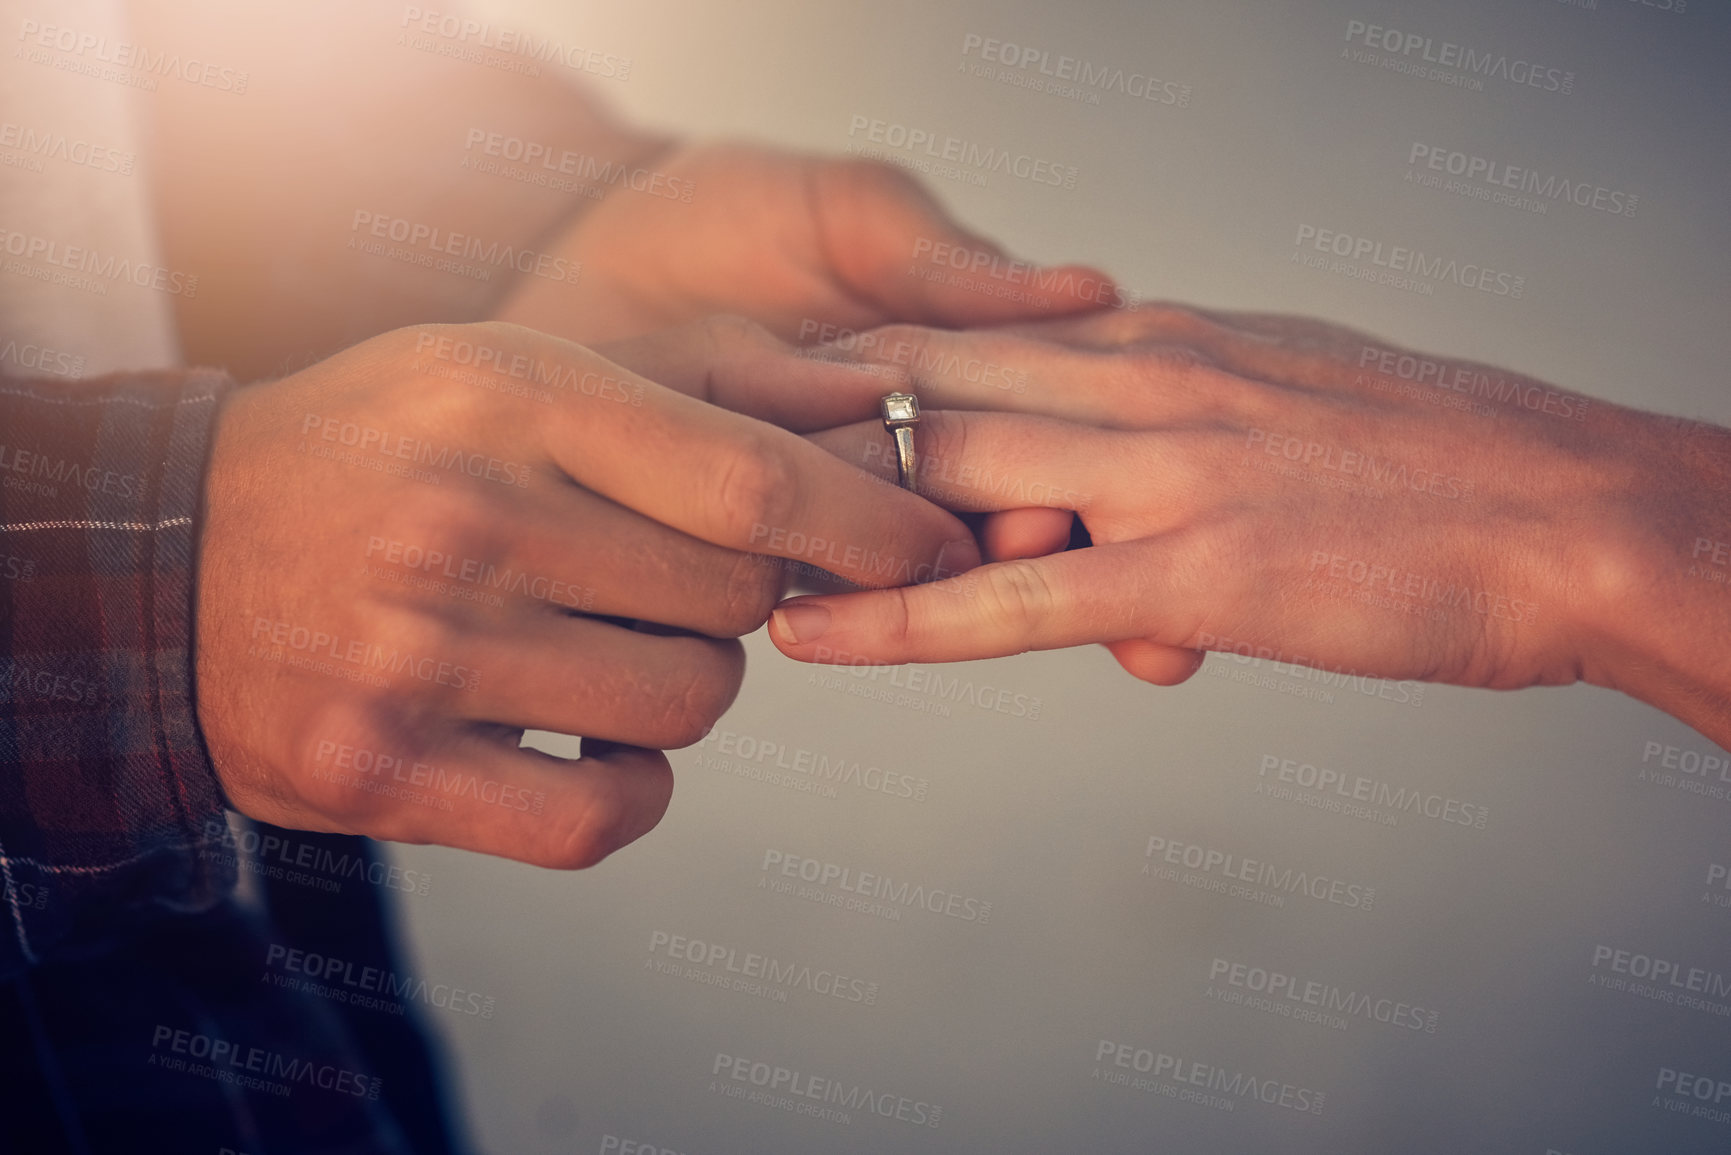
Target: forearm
x=259, y=193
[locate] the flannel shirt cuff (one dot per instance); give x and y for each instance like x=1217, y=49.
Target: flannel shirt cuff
x=107, y=792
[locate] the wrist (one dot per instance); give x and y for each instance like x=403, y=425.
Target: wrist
x=586, y=295
x=1657, y=577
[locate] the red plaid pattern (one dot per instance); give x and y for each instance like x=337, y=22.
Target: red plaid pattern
x=105, y=785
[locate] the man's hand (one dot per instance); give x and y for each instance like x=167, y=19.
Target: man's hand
x=291, y=269
x=1292, y=490
x=427, y=544
x=796, y=243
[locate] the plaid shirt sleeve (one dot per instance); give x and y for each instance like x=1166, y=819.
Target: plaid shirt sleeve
x=106, y=789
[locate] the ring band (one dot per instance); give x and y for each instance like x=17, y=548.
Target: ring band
x=901, y=413
x=906, y=471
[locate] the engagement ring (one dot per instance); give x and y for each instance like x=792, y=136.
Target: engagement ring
x=901, y=413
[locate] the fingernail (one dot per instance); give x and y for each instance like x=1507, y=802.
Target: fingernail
x=801, y=622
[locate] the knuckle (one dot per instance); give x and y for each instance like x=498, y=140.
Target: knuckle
x=1142, y=323
x=727, y=331
x=1129, y=326
x=1177, y=321
x=755, y=488
x=696, y=697
x=1216, y=392
x=898, y=626
x=1016, y=594
x=1163, y=360
x=345, y=743
x=922, y=358
x=456, y=514
x=593, y=831
x=900, y=343
x=753, y=586
x=450, y=522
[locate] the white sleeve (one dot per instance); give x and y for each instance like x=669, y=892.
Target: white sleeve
x=78, y=243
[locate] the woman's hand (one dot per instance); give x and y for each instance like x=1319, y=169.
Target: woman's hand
x=1292, y=490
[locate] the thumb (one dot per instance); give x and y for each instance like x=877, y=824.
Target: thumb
x=1156, y=662
x=890, y=242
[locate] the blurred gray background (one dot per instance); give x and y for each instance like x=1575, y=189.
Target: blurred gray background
x=601, y=1038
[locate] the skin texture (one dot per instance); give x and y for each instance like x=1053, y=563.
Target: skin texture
x=795, y=242
x=1166, y=428
x=260, y=194
x=278, y=539
x=1287, y=488
x=339, y=662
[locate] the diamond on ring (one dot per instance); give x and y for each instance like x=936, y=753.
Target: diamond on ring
x=901, y=412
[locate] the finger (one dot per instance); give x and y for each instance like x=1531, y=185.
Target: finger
x=634, y=567
x=893, y=244
x=581, y=676
x=1154, y=321
x=1290, y=351
x=998, y=461
x=563, y=813
x=557, y=548
x=1295, y=352
x=739, y=365
x=626, y=565
x=1068, y=599
x=1131, y=386
x=738, y=482
x=1020, y=533
x=1155, y=663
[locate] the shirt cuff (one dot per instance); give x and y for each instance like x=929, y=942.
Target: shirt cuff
x=107, y=793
